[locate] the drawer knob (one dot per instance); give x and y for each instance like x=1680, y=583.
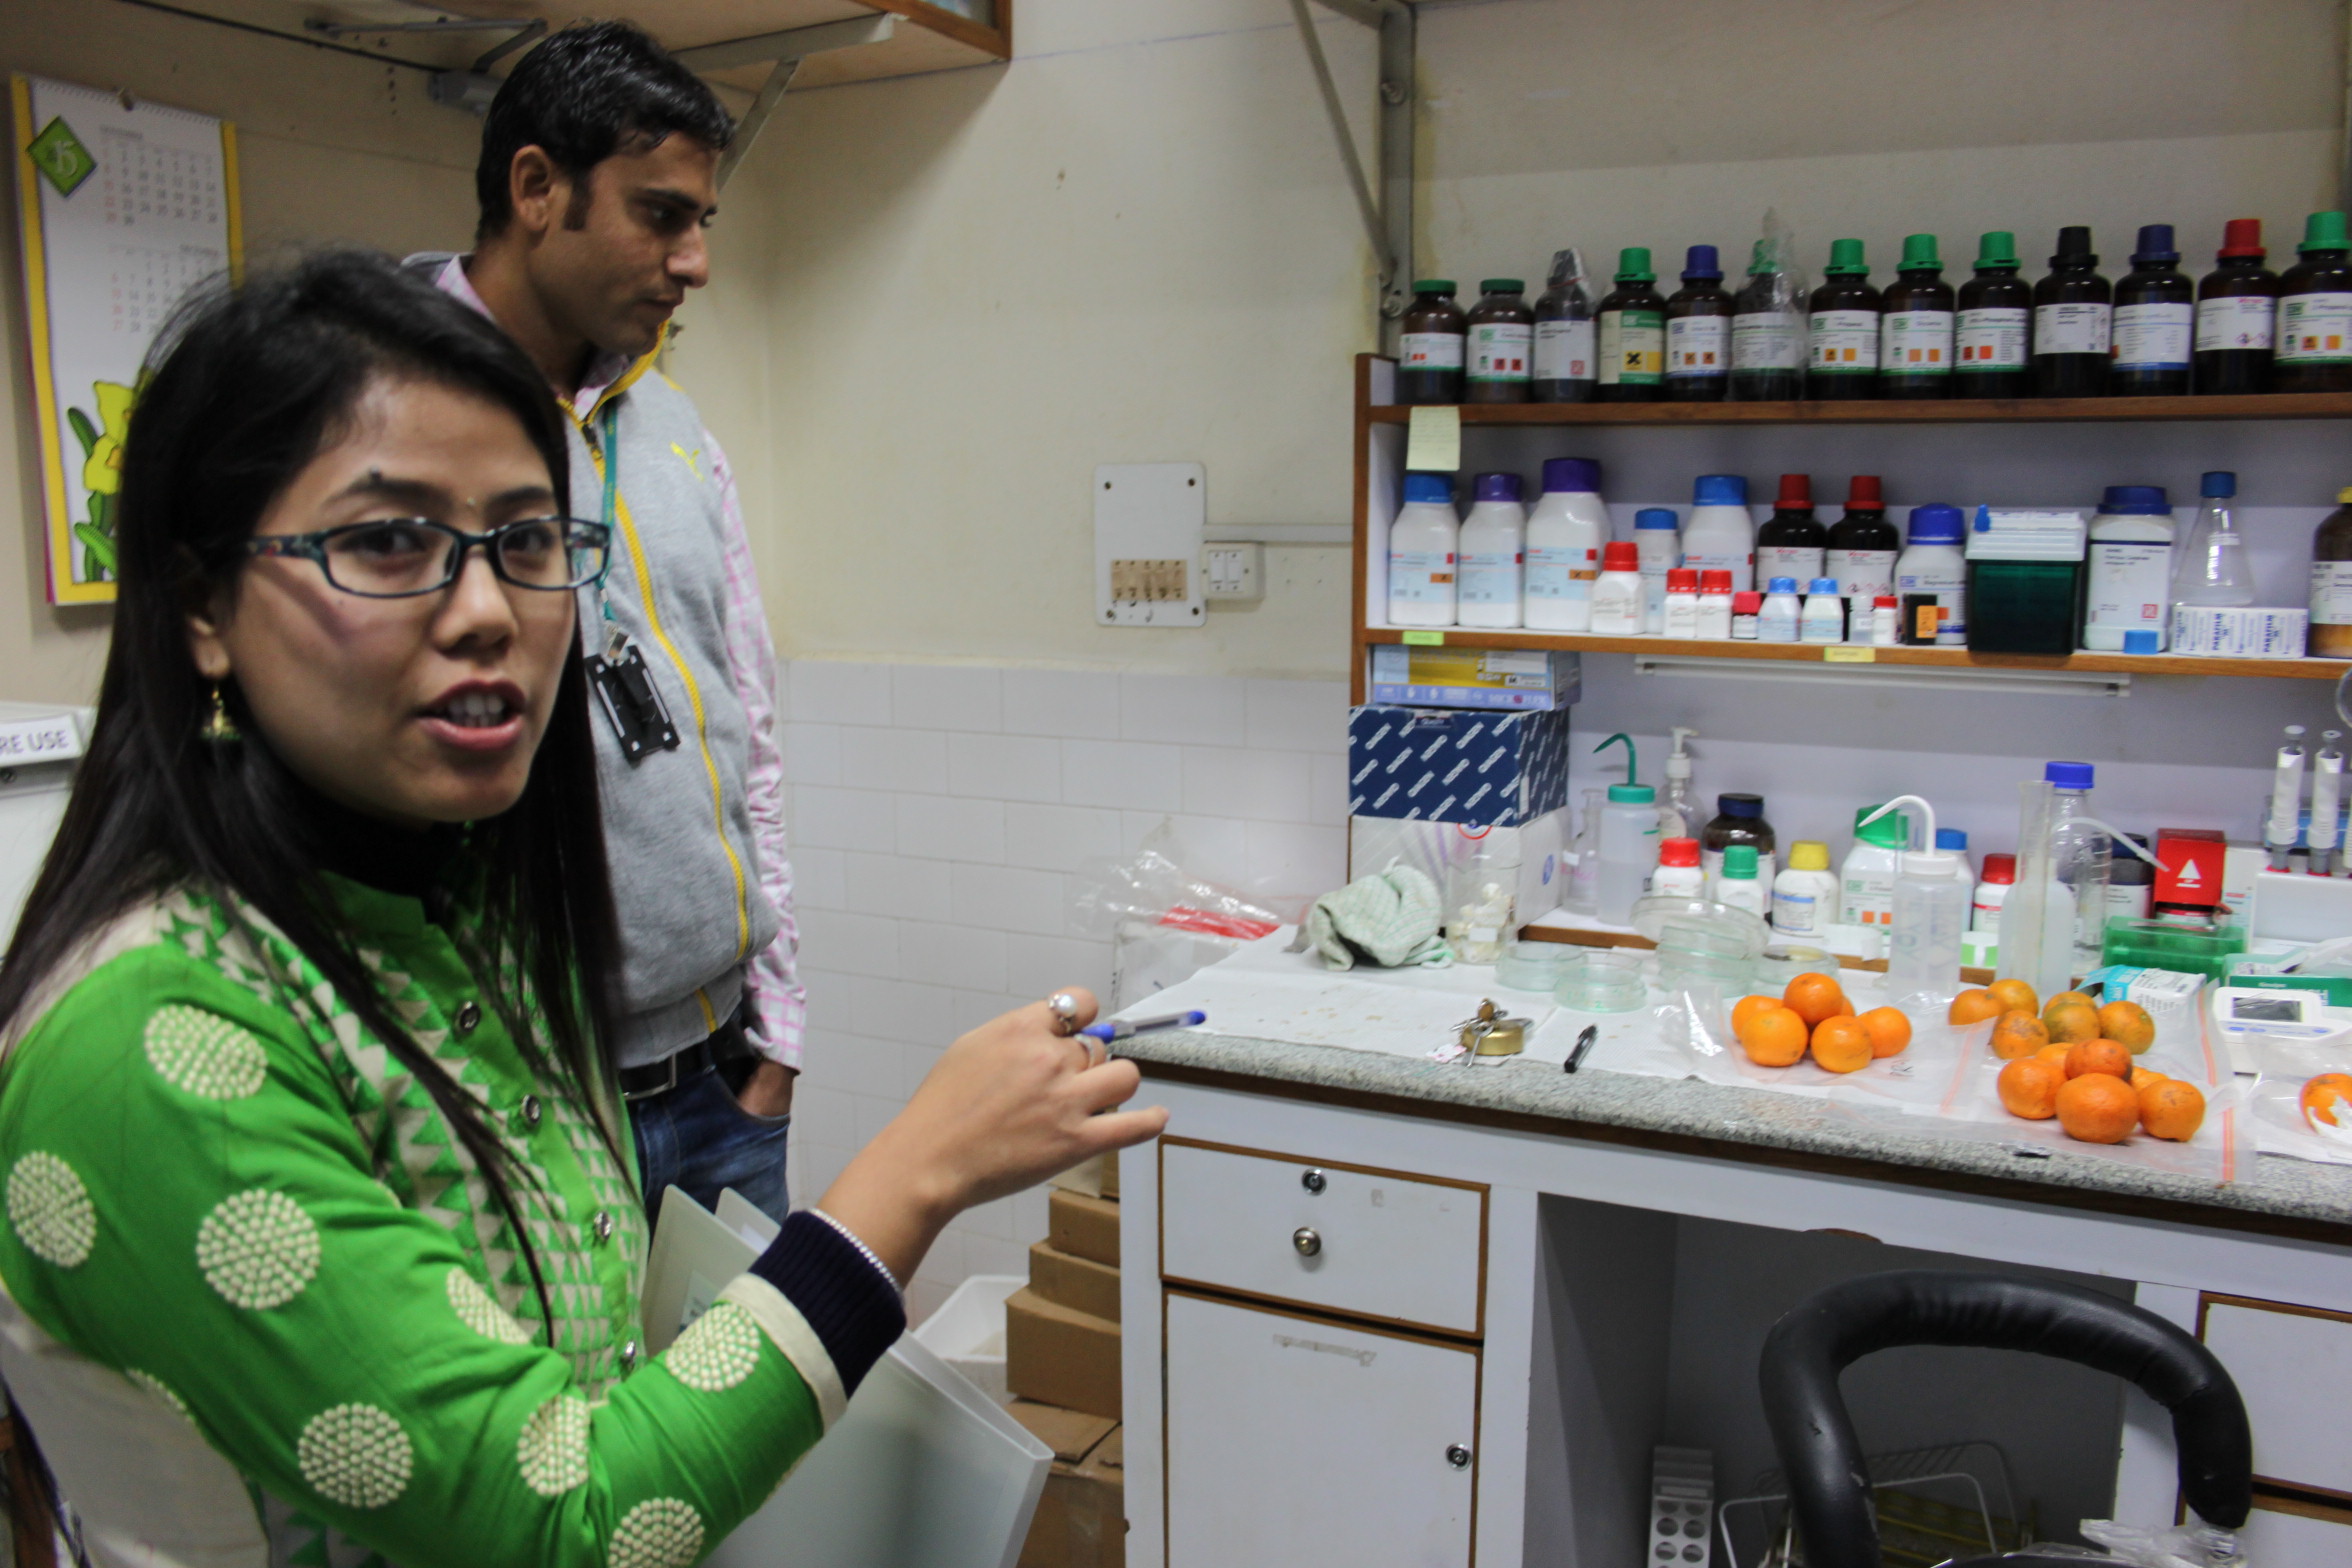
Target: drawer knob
x=1314, y=1181
x=1306, y=1241
x=1458, y=1455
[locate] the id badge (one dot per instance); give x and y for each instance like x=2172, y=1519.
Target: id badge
x=626, y=693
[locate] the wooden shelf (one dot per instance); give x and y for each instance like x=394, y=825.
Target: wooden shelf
x=1962, y=411
x=1815, y=653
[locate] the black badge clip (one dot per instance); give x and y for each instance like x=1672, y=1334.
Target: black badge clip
x=626, y=693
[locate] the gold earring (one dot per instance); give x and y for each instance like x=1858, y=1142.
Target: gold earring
x=219, y=728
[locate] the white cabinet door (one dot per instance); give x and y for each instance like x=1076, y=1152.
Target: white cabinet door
x=2293, y=1365
x=2296, y=1540
x=1294, y=1443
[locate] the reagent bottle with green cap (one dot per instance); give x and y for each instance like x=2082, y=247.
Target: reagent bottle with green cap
x=2315, y=311
x=1866, y=882
x=1841, y=333
x=1915, y=325
x=2074, y=321
x=1633, y=332
x=1995, y=325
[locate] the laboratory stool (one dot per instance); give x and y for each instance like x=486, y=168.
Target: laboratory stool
x=1828, y=1485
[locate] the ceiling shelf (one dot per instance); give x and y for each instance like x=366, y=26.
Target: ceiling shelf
x=1959, y=411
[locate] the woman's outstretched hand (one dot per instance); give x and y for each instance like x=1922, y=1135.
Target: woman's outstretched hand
x=1008, y=1105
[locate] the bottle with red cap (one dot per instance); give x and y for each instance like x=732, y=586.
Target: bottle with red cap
x=1715, y=601
x=2237, y=314
x=1862, y=545
x=1682, y=603
x=1617, y=594
x=1678, y=874
x=2000, y=875
x=1792, y=538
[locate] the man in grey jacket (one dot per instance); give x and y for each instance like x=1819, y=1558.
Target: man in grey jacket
x=598, y=174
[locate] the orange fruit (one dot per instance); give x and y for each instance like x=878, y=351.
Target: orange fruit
x=2055, y=1053
x=2128, y=1025
x=1774, y=1037
x=1814, y=997
x=2084, y=997
x=1973, y=1006
x=2018, y=1034
x=2172, y=1109
x=2327, y=1098
x=2072, y=1021
x=1889, y=1030
x=2015, y=996
x=2141, y=1077
x=2098, y=1056
x=2029, y=1088
x=1842, y=1044
x=1748, y=1007
x=2097, y=1108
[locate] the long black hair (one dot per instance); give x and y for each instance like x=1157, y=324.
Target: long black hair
x=248, y=385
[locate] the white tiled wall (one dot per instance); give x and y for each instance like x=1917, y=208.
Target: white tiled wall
x=936, y=813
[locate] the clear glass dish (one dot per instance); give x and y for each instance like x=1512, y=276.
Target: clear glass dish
x=1532, y=966
x=1602, y=980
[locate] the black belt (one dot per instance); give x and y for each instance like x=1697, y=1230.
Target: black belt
x=726, y=1044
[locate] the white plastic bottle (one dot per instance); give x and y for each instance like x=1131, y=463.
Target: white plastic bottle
x=1886, y=621
x=1715, y=604
x=1866, y=882
x=1777, y=620
x=1682, y=603
x=2081, y=858
x=1422, y=544
x=1494, y=550
x=1657, y=541
x=1992, y=890
x=1931, y=577
x=1678, y=872
x=1720, y=535
x=1805, y=896
x=1930, y=916
x=1617, y=595
x=1565, y=533
x=1824, y=615
x=1736, y=884
x=1629, y=849
x=2130, y=568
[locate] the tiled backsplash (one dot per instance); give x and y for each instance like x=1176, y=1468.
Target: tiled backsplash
x=936, y=813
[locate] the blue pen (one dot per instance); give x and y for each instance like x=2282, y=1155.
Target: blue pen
x=1106, y=1033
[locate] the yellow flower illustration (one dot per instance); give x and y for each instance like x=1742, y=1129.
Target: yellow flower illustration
x=102, y=471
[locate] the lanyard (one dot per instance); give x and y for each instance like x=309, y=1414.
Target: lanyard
x=608, y=425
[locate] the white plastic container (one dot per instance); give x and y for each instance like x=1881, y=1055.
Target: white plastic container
x=1422, y=545
x=1678, y=870
x=1777, y=620
x=1629, y=849
x=1715, y=604
x=1886, y=618
x=1657, y=541
x=968, y=1330
x=1805, y=896
x=1931, y=912
x=1737, y=886
x=1866, y=881
x=1824, y=616
x=1617, y=595
x=1682, y=603
x=2000, y=874
x=1931, y=575
x=2130, y=568
x=1565, y=533
x=1493, y=553
x=1720, y=534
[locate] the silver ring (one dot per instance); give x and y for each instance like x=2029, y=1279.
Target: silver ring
x=1064, y=1008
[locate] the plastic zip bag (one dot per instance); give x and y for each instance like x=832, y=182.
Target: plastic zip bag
x=2196, y=1545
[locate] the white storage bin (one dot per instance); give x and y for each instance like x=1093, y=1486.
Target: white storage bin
x=968, y=1330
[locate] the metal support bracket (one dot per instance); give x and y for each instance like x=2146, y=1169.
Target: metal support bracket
x=787, y=49
x=1387, y=216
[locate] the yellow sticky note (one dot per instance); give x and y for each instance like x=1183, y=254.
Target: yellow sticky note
x=1433, y=444
x=1844, y=655
x=1424, y=639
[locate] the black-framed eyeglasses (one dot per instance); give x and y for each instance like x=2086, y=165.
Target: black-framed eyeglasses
x=402, y=557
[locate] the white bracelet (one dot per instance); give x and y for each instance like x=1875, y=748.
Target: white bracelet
x=864, y=1251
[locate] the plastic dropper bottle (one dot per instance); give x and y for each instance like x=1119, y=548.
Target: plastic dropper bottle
x=1931, y=915
x=2074, y=321
x=1698, y=332
x=1841, y=353
x=2315, y=311
x=1792, y=538
x=2155, y=319
x=1995, y=324
x=2237, y=314
x=1632, y=338
x=1915, y=331
x=2212, y=568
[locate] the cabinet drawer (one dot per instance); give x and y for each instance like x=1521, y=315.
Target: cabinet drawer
x=2304, y=1535
x=1407, y=1249
x=2293, y=1365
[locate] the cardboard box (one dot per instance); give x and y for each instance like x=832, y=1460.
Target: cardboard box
x=1097, y=1178
x=1061, y=1357
x=1433, y=848
x=1080, y=1283
x=1071, y=1434
x=1444, y=765
x=1515, y=678
x=1081, y=1516
x=1083, y=1227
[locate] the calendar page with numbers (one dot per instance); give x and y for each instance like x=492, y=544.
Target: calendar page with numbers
x=123, y=207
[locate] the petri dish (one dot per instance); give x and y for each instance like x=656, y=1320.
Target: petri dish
x=1532, y=966
x=1602, y=980
x=1782, y=962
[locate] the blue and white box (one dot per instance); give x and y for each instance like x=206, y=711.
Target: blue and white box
x=1446, y=765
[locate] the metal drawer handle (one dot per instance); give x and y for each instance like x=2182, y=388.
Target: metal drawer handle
x=1314, y=1182
x=1306, y=1242
x=1458, y=1455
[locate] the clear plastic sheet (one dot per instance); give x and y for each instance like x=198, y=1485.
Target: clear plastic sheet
x=1921, y=1079
x=1152, y=888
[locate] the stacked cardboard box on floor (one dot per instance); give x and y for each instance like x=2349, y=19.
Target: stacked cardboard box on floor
x=1062, y=1364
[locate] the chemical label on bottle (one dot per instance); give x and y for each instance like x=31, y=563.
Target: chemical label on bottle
x=1768, y=340
x=1698, y=346
x=1499, y=350
x=1632, y=349
x=1564, y=350
x=2084, y=327
x=1860, y=574
x=1941, y=597
x=1915, y=343
x=1803, y=562
x=1843, y=340
x=1421, y=576
x=1431, y=351
x=1741, y=564
x=1992, y=338
x=2236, y=321
x=2154, y=337
x=1870, y=898
x=2331, y=593
x=2315, y=329
x=1490, y=576
x=1794, y=914
x=1560, y=574
x=2130, y=582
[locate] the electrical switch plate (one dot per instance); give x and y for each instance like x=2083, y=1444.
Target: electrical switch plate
x=1235, y=571
x=1148, y=519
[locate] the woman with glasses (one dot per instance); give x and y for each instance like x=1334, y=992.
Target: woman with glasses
x=321, y=1240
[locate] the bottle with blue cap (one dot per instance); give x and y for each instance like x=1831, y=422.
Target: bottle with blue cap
x=1422, y=544
x=1565, y=533
x=2130, y=569
x=1494, y=554
x=1657, y=541
x=1698, y=331
x=1823, y=619
x=1720, y=535
x=2213, y=568
x=1931, y=578
x=2155, y=320
x=2081, y=863
x=1778, y=618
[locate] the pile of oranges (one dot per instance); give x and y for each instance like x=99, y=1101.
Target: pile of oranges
x=2074, y=1062
x=2328, y=1098
x=1814, y=1015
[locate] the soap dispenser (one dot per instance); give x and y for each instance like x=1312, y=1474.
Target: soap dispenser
x=1678, y=808
x=1931, y=913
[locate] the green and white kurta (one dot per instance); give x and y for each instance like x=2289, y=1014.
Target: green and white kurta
x=232, y=1211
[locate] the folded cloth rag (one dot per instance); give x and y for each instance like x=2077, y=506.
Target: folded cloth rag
x=1389, y=919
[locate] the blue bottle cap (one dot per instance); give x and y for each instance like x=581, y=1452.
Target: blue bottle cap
x=1720, y=490
x=1656, y=517
x=1699, y=265
x=1952, y=839
x=1498, y=487
x=1740, y=805
x=1823, y=585
x=2135, y=501
x=1429, y=487
x=2068, y=775
x=1936, y=523
x=1784, y=585
x=2155, y=245
x=2219, y=482
x=2139, y=642
x=1571, y=475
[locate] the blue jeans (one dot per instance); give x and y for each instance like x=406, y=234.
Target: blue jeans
x=696, y=1137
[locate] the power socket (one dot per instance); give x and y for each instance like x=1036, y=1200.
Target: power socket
x=1233, y=572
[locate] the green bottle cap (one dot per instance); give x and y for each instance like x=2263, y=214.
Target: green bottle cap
x=1757, y=265
x=1633, y=265
x=1919, y=250
x=1892, y=831
x=1631, y=795
x=1739, y=862
x=1434, y=286
x=1996, y=249
x=1503, y=286
x=1845, y=259
x=2324, y=231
